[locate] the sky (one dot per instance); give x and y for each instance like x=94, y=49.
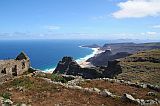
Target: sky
x=80, y=19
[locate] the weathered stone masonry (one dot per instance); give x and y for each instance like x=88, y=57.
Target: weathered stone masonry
x=15, y=67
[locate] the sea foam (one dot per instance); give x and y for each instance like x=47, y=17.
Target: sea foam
x=94, y=52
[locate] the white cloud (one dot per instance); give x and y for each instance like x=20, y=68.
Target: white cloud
x=151, y=33
x=137, y=9
x=156, y=26
x=52, y=27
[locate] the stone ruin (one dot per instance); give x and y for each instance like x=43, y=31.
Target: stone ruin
x=15, y=67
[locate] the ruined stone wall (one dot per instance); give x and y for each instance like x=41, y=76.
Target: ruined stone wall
x=13, y=67
x=23, y=65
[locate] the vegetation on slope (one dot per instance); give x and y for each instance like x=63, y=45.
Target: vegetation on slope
x=38, y=92
x=141, y=67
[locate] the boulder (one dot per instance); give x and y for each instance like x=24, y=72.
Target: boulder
x=7, y=101
x=149, y=102
x=105, y=93
x=96, y=90
x=151, y=94
x=128, y=97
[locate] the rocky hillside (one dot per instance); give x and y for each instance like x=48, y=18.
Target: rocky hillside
x=41, y=89
x=141, y=67
x=103, y=58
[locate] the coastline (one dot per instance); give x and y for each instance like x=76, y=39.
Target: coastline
x=49, y=70
x=81, y=61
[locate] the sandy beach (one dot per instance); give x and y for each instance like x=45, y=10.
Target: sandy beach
x=83, y=61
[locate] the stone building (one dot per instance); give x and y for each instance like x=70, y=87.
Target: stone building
x=15, y=67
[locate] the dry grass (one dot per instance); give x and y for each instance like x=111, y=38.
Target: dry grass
x=38, y=92
x=119, y=89
x=142, y=67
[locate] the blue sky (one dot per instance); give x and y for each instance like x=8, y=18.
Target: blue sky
x=80, y=19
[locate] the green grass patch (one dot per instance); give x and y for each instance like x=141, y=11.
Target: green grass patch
x=24, y=82
x=58, y=78
x=6, y=95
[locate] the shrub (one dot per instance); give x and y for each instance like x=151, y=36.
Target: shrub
x=6, y=95
x=24, y=82
x=58, y=78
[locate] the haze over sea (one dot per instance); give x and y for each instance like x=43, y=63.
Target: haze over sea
x=45, y=54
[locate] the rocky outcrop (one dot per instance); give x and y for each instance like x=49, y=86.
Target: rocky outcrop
x=67, y=66
x=70, y=67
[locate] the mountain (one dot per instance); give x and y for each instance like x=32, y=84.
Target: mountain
x=130, y=47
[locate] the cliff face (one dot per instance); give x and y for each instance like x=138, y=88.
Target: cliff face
x=103, y=58
x=100, y=59
x=70, y=67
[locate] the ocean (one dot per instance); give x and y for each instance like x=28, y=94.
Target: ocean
x=45, y=54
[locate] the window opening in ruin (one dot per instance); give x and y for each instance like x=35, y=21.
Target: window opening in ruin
x=3, y=71
x=23, y=65
x=14, y=70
